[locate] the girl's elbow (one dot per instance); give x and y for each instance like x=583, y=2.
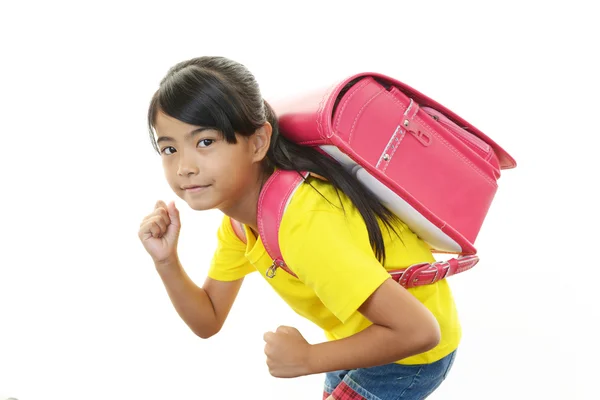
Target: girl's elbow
x=433, y=338
x=420, y=338
x=206, y=332
x=428, y=337
x=205, y=335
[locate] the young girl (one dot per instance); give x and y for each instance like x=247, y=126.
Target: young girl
x=219, y=143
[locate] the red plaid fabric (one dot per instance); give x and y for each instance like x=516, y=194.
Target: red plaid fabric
x=343, y=392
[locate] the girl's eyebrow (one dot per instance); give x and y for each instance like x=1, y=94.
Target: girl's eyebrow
x=187, y=135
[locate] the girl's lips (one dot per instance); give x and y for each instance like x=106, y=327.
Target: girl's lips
x=193, y=189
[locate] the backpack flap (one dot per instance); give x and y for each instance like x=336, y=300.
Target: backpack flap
x=410, y=152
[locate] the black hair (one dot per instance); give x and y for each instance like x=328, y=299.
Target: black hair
x=220, y=93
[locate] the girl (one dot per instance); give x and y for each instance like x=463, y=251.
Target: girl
x=219, y=143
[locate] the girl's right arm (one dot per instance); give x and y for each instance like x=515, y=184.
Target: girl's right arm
x=204, y=309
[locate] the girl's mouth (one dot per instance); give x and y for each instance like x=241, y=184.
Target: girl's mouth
x=194, y=189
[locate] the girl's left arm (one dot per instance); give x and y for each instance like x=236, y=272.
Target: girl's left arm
x=331, y=254
x=406, y=329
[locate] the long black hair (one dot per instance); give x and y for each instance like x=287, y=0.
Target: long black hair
x=220, y=93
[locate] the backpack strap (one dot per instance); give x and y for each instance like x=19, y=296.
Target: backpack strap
x=275, y=197
x=273, y=200
x=428, y=273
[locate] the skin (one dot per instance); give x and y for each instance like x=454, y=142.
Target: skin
x=233, y=177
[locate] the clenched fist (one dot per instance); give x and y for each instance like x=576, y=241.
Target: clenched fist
x=159, y=232
x=287, y=352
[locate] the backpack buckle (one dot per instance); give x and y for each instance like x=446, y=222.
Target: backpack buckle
x=273, y=268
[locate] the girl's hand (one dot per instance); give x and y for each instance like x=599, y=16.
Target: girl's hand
x=287, y=353
x=159, y=232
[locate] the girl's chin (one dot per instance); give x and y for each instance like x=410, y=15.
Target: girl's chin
x=197, y=206
x=200, y=205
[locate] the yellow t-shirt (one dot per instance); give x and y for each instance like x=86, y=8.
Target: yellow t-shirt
x=328, y=249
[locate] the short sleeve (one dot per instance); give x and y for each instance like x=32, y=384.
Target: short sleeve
x=331, y=253
x=229, y=261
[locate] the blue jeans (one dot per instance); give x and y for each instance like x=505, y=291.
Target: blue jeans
x=390, y=381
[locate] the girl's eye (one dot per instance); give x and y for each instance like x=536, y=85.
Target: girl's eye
x=168, y=150
x=205, y=142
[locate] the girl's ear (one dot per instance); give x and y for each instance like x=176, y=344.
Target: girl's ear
x=261, y=141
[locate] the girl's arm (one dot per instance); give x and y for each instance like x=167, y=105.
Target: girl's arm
x=402, y=327
x=204, y=309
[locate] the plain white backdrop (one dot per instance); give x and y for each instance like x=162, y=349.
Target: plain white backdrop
x=83, y=314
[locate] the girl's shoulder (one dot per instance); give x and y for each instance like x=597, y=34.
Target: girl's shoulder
x=319, y=195
x=316, y=203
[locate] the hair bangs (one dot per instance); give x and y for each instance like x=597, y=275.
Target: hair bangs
x=197, y=98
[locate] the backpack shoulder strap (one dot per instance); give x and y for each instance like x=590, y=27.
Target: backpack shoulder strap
x=274, y=198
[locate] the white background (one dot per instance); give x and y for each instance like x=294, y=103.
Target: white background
x=83, y=314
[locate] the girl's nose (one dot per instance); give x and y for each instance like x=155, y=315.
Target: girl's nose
x=187, y=170
x=187, y=166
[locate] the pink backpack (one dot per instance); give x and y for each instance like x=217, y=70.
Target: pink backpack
x=393, y=138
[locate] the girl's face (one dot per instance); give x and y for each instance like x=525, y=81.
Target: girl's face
x=203, y=169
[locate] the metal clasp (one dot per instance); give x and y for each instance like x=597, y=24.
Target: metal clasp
x=271, y=271
x=273, y=268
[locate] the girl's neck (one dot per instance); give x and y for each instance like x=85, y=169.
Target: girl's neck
x=245, y=209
